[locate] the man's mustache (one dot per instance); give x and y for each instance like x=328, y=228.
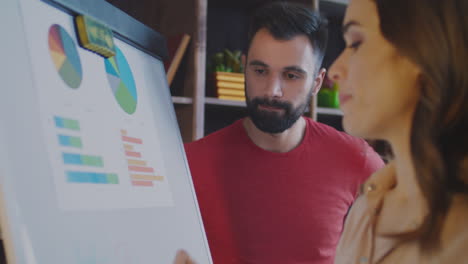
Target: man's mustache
x=271, y=103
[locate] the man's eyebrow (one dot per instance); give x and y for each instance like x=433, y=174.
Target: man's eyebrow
x=295, y=69
x=349, y=24
x=258, y=63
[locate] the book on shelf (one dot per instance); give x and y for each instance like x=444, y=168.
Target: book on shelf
x=230, y=85
x=234, y=92
x=232, y=97
x=176, y=45
x=230, y=77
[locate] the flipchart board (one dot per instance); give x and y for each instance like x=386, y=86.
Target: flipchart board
x=92, y=165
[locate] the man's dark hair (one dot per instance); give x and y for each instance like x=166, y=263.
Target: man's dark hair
x=285, y=20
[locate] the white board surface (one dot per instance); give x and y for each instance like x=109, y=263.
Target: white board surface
x=92, y=166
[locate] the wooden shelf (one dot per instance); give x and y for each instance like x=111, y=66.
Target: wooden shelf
x=205, y=21
x=320, y=110
x=216, y=101
x=182, y=100
x=329, y=111
x=343, y=2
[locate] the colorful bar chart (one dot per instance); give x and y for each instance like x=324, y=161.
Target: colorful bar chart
x=147, y=177
x=136, y=162
x=71, y=156
x=142, y=183
x=128, y=147
x=70, y=141
x=66, y=123
x=84, y=160
x=140, y=173
x=140, y=169
x=92, y=177
x=133, y=154
x=132, y=140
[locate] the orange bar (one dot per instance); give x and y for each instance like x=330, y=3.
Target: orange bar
x=142, y=183
x=123, y=132
x=132, y=140
x=128, y=147
x=136, y=162
x=147, y=177
x=140, y=169
x=133, y=154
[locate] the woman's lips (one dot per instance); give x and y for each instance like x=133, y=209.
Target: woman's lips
x=344, y=98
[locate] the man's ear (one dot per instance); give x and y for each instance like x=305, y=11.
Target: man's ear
x=318, y=81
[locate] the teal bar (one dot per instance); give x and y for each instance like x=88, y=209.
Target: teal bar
x=91, y=177
x=72, y=159
x=71, y=124
x=59, y=122
x=85, y=160
x=69, y=141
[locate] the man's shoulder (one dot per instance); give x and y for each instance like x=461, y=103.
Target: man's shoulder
x=331, y=135
x=216, y=139
x=350, y=148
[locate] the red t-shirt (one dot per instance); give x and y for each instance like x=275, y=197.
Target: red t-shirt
x=264, y=207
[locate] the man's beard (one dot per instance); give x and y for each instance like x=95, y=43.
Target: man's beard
x=273, y=122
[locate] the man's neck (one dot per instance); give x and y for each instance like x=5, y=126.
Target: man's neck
x=280, y=142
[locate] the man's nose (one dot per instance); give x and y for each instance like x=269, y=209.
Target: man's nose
x=274, y=87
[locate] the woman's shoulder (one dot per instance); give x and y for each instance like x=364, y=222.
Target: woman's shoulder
x=365, y=208
x=454, y=237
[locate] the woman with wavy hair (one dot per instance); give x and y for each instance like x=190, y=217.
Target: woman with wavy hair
x=404, y=79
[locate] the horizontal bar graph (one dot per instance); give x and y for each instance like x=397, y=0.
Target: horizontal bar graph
x=132, y=140
x=141, y=173
x=84, y=160
x=146, y=177
x=70, y=141
x=140, y=169
x=128, y=147
x=136, y=162
x=66, y=123
x=133, y=154
x=75, y=158
x=92, y=177
x=142, y=183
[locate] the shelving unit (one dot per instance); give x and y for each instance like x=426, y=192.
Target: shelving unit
x=329, y=111
x=182, y=100
x=216, y=101
x=213, y=25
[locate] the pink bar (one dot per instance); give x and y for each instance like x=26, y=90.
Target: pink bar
x=140, y=169
x=142, y=183
x=132, y=140
x=133, y=154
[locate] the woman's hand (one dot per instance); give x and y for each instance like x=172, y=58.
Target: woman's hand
x=183, y=258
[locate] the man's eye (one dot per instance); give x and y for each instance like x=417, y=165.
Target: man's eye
x=291, y=76
x=260, y=71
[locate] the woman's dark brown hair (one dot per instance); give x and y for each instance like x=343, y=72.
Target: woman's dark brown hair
x=433, y=34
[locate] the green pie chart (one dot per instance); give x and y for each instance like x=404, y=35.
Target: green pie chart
x=65, y=56
x=121, y=81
